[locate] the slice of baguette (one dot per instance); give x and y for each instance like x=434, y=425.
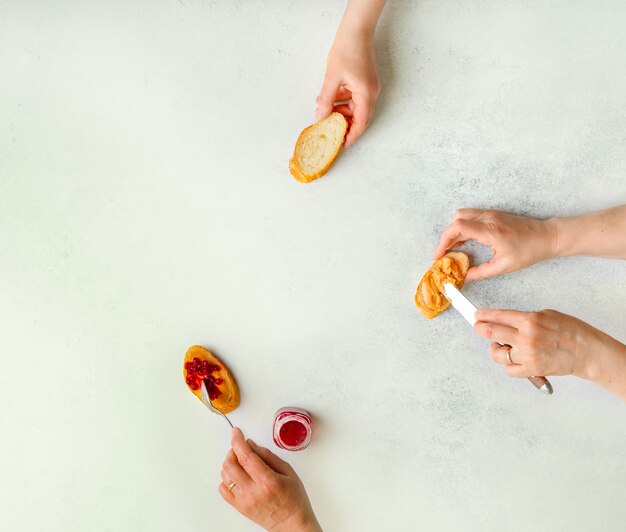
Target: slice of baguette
x=228, y=399
x=451, y=268
x=317, y=148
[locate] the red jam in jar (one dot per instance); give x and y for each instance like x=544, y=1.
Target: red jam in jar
x=292, y=428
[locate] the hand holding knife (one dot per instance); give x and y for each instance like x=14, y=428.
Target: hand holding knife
x=465, y=307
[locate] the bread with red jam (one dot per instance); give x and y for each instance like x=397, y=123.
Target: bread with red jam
x=202, y=365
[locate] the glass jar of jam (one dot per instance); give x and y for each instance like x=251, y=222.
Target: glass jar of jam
x=292, y=428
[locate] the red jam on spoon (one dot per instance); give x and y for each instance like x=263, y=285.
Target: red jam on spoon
x=292, y=428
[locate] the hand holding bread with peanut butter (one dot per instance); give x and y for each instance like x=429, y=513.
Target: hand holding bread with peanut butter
x=545, y=342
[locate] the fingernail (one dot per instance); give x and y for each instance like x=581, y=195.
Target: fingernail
x=251, y=442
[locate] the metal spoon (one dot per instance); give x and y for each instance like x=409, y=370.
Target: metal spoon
x=207, y=402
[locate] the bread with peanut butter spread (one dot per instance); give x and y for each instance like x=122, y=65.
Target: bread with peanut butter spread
x=317, y=148
x=451, y=268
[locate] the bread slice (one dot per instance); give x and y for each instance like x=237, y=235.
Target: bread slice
x=451, y=268
x=317, y=148
x=223, y=385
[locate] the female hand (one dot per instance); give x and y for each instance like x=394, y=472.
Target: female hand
x=515, y=241
x=351, y=77
x=266, y=489
x=544, y=343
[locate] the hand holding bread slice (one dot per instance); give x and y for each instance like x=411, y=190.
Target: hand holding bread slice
x=317, y=148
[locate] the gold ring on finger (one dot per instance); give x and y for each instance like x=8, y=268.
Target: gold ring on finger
x=508, y=355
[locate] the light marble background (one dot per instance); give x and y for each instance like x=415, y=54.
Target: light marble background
x=145, y=205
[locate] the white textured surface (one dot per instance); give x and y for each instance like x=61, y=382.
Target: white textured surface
x=145, y=205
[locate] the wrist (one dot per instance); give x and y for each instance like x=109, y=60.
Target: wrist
x=553, y=237
x=607, y=366
x=361, y=18
x=546, y=239
x=600, y=355
x=300, y=522
x=589, y=354
x=350, y=32
x=565, y=233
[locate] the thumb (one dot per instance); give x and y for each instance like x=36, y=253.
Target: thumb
x=276, y=463
x=484, y=270
x=326, y=99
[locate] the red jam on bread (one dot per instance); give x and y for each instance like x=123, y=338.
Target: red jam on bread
x=202, y=365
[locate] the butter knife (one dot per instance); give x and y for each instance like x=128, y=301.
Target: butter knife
x=467, y=309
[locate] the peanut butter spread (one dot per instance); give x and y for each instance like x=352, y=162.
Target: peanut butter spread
x=451, y=268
